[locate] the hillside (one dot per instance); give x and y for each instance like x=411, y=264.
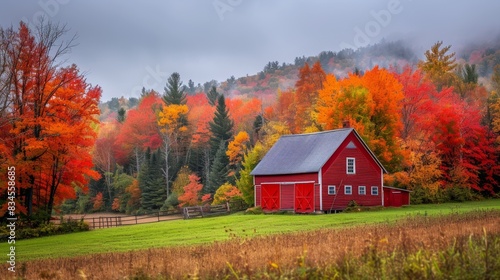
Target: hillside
x=283, y=76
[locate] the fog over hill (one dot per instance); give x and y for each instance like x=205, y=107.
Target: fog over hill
x=125, y=45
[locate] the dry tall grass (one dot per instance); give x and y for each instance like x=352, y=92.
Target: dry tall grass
x=247, y=255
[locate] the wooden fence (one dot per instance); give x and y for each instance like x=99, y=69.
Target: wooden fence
x=184, y=213
x=212, y=210
x=116, y=221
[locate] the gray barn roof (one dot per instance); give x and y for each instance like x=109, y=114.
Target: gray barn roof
x=303, y=153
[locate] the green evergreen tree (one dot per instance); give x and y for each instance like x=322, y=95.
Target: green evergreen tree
x=174, y=90
x=212, y=96
x=221, y=127
x=191, y=87
x=469, y=74
x=152, y=182
x=219, y=170
x=121, y=115
x=121, y=181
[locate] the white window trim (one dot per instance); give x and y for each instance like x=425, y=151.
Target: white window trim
x=334, y=190
x=353, y=165
x=359, y=190
x=374, y=188
x=345, y=189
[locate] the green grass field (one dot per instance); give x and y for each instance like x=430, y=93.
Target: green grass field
x=207, y=230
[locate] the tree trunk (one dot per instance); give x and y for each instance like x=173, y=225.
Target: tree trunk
x=137, y=163
x=166, y=165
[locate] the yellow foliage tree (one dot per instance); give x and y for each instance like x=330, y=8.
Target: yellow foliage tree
x=494, y=102
x=172, y=122
x=272, y=131
x=439, y=65
x=237, y=148
x=181, y=180
x=224, y=194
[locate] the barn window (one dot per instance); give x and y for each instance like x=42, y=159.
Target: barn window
x=351, y=165
x=374, y=190
x=332, y=190
x=362, y=190
x=347, y=189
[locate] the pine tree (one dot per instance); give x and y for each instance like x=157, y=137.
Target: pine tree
x=191, y=87
x=469, y=74
x=143, y=179
x=220, y=127
x=174, y=90
x=219, y=170
x=151, y=182
x=212, y=96
x=121, y=115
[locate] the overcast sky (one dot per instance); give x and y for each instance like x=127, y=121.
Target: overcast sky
x=124, y=45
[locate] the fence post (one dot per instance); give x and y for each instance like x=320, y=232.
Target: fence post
x=227, y=205
x=201, y=211
x=93, y=223
x=136, y=219
x=158, y=216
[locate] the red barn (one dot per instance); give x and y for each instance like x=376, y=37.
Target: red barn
x=396, y=197
x=320, y=171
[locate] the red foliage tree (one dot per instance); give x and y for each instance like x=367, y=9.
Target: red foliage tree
x=139, y=131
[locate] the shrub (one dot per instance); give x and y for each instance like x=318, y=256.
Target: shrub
x=172, y=202
x=47, y=230
x=352, y=206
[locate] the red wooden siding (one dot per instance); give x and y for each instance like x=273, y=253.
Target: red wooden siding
x=367, y=173
x=304, y=197
x=287, y=196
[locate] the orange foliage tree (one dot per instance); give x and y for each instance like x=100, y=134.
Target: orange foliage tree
x=49, y=125
x=307, y=87
x=243, y=112
x=98, y=202
x=192, y=191
x=372, y=105
x=387, y=94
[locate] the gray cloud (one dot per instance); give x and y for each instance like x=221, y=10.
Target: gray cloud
x=125, y=44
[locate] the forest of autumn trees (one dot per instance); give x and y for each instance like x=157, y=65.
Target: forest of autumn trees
x=432, y=124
